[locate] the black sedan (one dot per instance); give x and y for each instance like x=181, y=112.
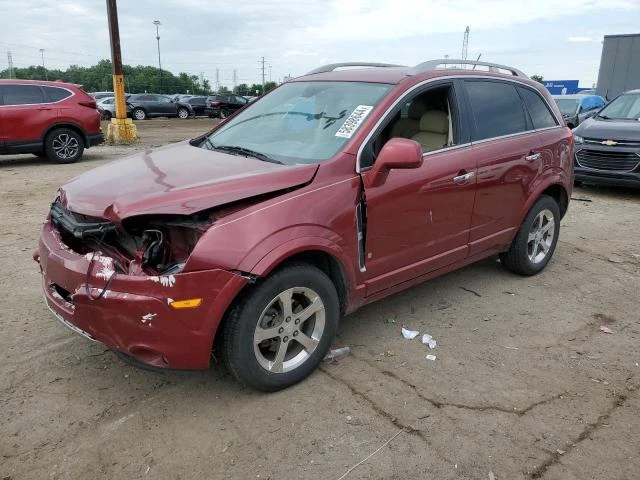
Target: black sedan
x=222, y=106
x=199, y=105
x=148, y=105
x=608, y=144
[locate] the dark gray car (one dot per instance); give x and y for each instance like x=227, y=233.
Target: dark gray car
x=148, y=105
x=608, y=144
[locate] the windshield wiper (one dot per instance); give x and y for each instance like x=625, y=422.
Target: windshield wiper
x=246, y=152
x=208, y=142
x=604, y=117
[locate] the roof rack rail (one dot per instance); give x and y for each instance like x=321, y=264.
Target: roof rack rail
x=434, y=64
x=332, y=66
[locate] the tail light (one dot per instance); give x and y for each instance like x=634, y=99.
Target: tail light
x=88, y=103
x=215, y=104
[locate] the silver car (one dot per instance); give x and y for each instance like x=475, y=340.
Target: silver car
x=107, y=108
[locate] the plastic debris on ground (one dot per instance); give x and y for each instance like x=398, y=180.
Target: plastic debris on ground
x=429, y=340
x=337, y=352
x=409, y=334
x=605, y=329
x=431, y=357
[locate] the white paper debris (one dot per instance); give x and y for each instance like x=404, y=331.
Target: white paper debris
x=409, y=334
x=429, y=340
x=431, y=357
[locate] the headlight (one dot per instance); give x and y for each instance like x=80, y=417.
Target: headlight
x=578, y=138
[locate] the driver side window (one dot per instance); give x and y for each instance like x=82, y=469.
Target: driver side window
x=426, y=117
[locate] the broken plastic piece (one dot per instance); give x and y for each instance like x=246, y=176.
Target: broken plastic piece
x=337, y=352
x=431, y=357
x=409, y=334
x=429, y=340
x=605, y=329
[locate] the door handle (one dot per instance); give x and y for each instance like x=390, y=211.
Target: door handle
x=464, y=177
x=532, y=157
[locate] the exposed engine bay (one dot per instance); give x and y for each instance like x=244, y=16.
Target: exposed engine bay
x=145, y=244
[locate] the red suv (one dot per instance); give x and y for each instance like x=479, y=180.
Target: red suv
x=50, y=119
x=334, y=190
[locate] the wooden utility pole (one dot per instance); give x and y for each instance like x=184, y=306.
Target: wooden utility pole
x=121, y=129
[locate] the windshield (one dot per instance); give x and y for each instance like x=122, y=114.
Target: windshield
x=567, y=106
x=625, y=107
x=300, y=122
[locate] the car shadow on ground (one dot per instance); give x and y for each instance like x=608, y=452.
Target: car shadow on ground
x=613, y=192
x=29, y=160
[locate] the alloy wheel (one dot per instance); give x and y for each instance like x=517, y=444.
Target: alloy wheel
x=65, y=146
x=541, y=236
x=289, y=330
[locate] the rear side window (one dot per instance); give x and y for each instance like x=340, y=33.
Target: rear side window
x=497, y=109
x=22, y=94
x=540, y=114
x=55, y=94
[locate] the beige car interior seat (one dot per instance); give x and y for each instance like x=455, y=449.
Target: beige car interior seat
x=434, y=130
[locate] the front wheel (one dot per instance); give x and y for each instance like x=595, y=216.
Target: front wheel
x=536, y=240
x=281, y=330
x=183, y=113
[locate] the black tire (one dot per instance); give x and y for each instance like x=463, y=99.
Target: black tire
x=138, y=114
x=223, y=114
x=183, y=113
x=577, y=183
x=64, y=145
x=518, y=258
x=260, y=305
x=106, y=115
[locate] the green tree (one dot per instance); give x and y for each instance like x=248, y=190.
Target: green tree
x=242, y=89
x=270, y=86
x=138, y=79
x=224, y=90
x=537, y=78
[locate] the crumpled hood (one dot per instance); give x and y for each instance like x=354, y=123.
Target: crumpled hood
x=176, y=179
x=609, y=129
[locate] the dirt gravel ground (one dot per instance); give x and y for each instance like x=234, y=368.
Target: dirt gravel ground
x=524, y=386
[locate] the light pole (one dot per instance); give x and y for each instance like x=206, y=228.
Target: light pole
x=46, y=75
x=157, y=24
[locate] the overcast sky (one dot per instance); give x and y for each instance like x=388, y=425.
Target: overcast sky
x=559, y=39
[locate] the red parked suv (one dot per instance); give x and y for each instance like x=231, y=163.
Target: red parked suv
x=49, y=119
x=334, y=190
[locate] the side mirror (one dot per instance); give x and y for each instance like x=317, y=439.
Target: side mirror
x=396, y=153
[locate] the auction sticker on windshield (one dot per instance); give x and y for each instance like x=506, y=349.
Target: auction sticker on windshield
x=353, y=121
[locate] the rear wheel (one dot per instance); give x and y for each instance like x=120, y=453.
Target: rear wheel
x=64, y=145
x=183, y=113
x=139, y=114
x=282, y=329
x=536, y=240
x=106, y=115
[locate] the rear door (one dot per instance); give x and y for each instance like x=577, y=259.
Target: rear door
x=165, y=105
x=508, y=156
x=25, y=116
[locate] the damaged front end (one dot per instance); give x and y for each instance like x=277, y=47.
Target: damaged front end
x=142, y=245
x=123, y=284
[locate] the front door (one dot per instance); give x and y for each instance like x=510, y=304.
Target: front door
x=418, y=220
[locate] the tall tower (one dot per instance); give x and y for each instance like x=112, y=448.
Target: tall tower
x=10, y=62
x=465, y=43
